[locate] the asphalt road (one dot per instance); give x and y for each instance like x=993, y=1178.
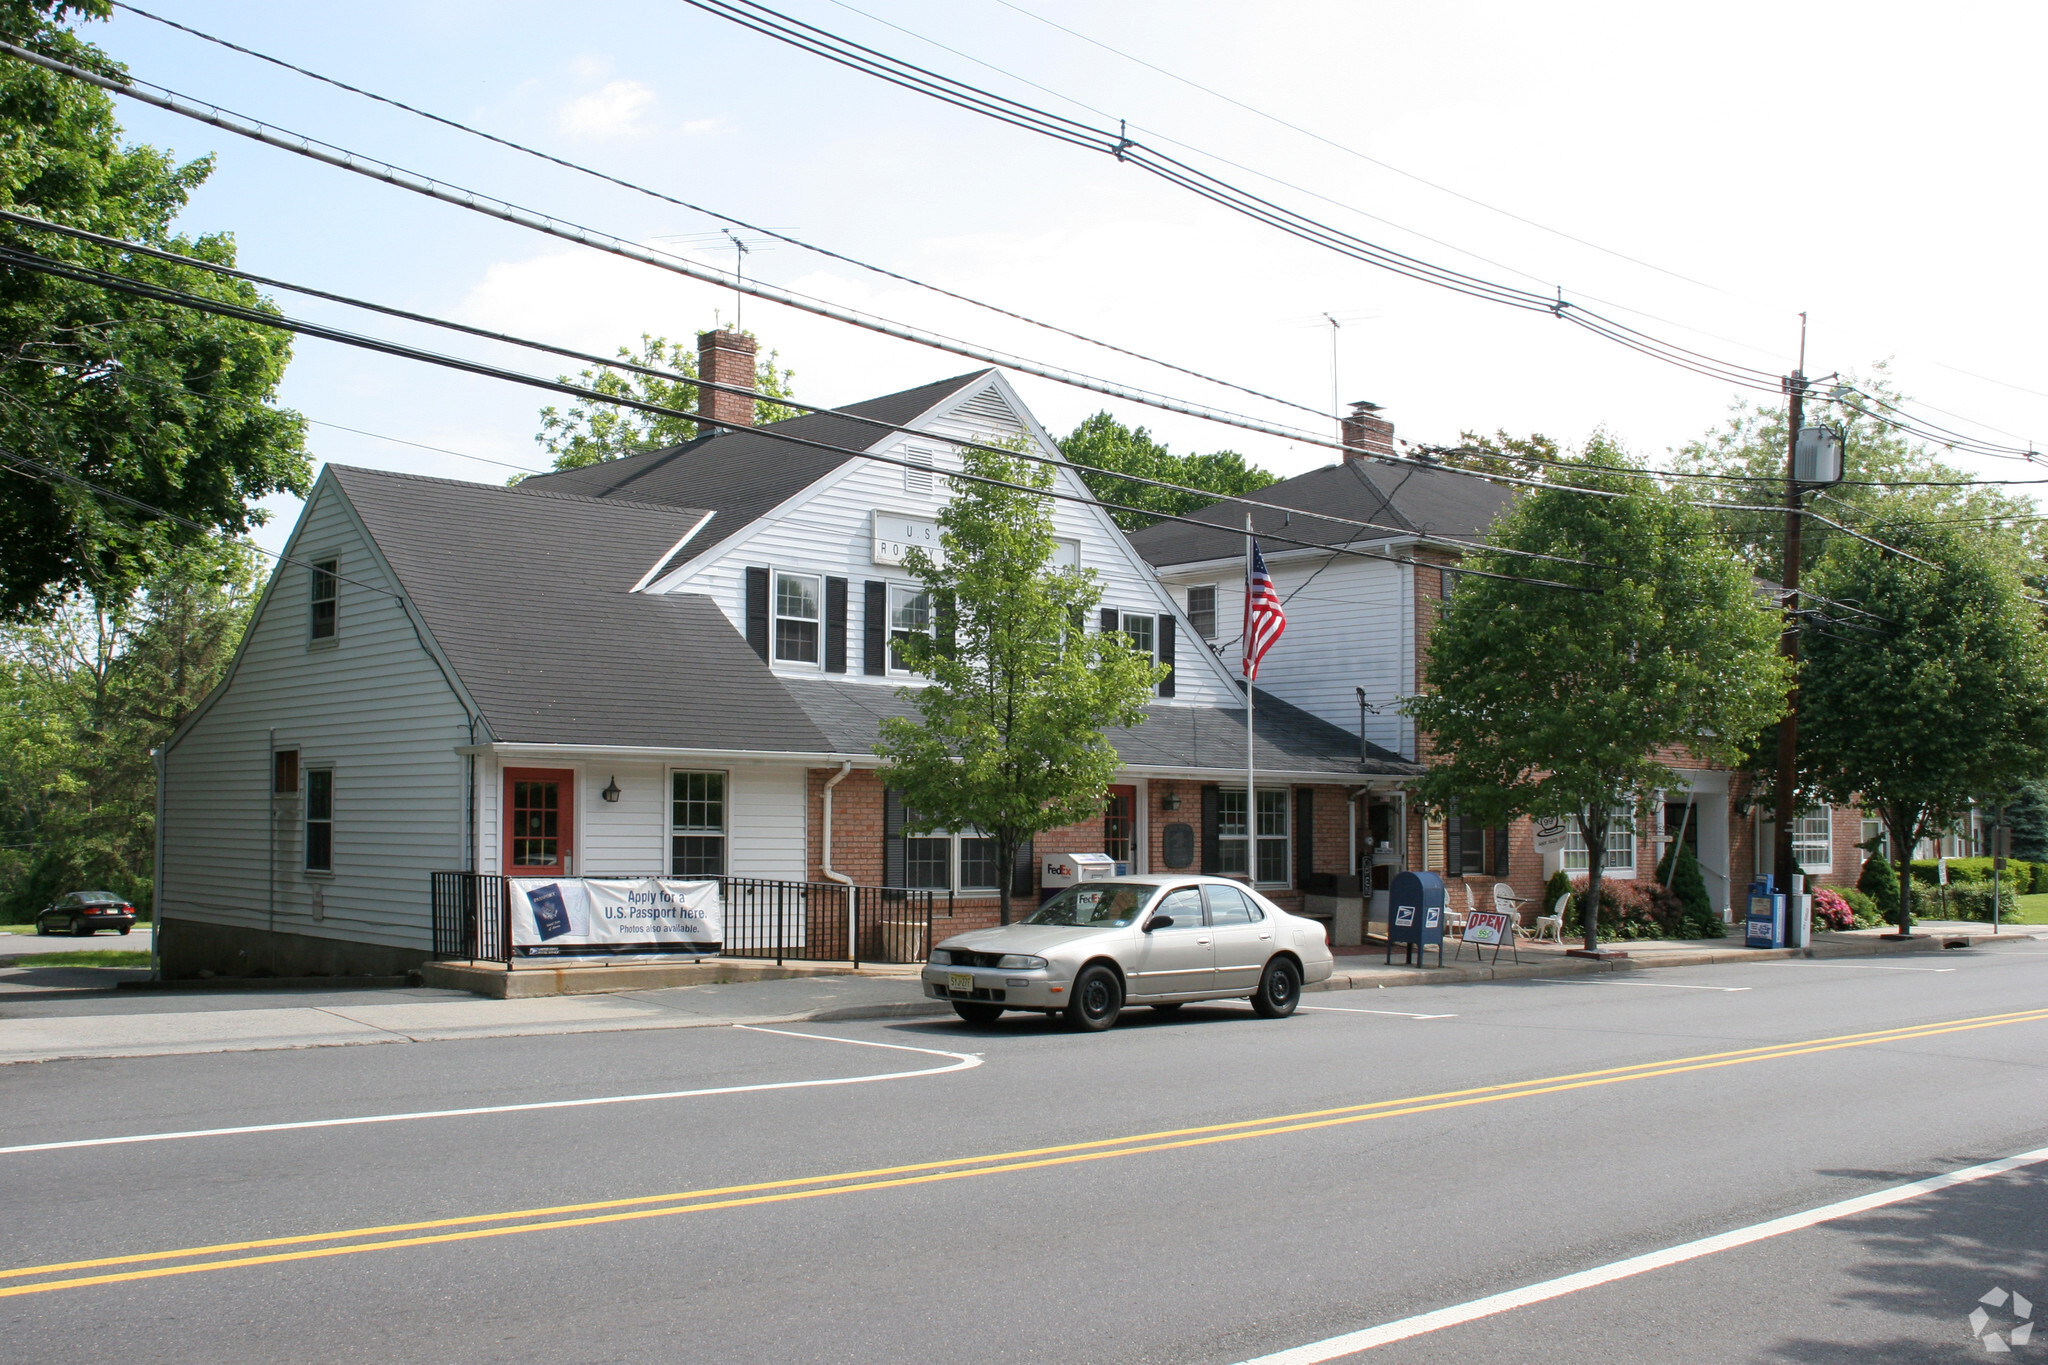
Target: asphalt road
x=1201, y=1190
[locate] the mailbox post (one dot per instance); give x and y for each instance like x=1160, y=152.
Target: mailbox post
x=1415, y=916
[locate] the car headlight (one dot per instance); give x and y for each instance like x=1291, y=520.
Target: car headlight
x=940, y=958
x=1018, y=962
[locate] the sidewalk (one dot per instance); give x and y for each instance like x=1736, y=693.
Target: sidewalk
x=43, y=1024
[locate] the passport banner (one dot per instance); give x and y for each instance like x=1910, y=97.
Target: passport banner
x=587, y=915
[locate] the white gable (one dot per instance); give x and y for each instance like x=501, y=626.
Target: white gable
x=852, y=525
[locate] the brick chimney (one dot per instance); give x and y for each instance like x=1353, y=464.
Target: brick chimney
x=1367, y=436
x=724, y=357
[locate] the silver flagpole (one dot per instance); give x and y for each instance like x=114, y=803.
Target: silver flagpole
x=1251, y=766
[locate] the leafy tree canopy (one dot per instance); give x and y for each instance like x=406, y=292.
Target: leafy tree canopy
x=1011, y=737
x=1939, y=696
x=591, y=431
x=1104, y=449
x=170, y=407
x=1521, y=457
x=1539, y=700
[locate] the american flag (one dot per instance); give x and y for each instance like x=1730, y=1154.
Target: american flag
x=1263, y=618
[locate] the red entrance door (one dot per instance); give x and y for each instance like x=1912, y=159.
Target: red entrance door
x=1120, y=826
x=540, y=824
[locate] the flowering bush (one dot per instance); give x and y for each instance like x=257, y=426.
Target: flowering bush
x=1830, y=911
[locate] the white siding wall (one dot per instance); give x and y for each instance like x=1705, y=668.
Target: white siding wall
x=1344, y=631
x=375, y=708
x=765, y=816
x=830, y=533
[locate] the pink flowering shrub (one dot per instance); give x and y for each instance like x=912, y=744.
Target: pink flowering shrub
x=1830, y=911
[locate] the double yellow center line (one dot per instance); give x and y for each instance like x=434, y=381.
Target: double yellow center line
x=41, y=1279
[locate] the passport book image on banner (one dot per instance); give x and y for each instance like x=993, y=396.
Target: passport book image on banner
x=568, y=915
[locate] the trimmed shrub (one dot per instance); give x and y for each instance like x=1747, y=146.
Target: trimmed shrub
x=1864, y=908
x=1973, y=902
x=1690, y=886
x=1830, y=911
x=1880, y=882
x=1969, y=870
x=1641, y=909
x=2040, y=882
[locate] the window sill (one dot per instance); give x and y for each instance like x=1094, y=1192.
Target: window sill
x=317, y=874
x=331, y=642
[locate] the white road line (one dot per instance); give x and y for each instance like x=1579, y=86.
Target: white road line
x=1351, y=1343
x=962, y=1061
x=1660, y=985
x=1399, y=1014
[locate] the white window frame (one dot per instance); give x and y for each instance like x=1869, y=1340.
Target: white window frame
x=324, y=573
x=1804, y=840
x=1194, y=618
x=1227, y=843
x=1620, y=858
x=890, y=629
x=776, y=618
x=1150, y=647
x=954, y=862
x=308, y=819
x=723, y=832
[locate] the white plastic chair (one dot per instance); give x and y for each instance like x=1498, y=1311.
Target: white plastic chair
x=1506, y=902
x=1552, y=924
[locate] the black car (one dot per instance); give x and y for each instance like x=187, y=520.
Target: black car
x=84, y=912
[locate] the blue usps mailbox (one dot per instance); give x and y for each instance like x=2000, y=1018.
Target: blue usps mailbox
x=1764, y=926
x=1415, y=916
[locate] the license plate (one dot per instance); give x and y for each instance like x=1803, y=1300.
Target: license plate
x=959, y=981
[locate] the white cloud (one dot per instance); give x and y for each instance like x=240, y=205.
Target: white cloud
x=616, y=110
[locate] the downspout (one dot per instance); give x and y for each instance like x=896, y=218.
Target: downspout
x=1351, y=833
x=156, y=894
x=825, y=861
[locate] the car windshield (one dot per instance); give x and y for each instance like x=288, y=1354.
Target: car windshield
x=1096, y=905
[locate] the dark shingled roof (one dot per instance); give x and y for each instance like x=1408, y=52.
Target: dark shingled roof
x=1403, y=499
x=527, y=593
x=1288, y=738
x=741, y=475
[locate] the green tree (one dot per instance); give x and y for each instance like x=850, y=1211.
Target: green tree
x=590, y=431
x=1939, y=700
x=1107, y=453
x=1521, y=457
x=2028, y=815
x=1544, y=701
x=168, y=406
x=1011, y=737
x=84, y=697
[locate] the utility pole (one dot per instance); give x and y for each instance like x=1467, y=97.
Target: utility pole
x=1784, y=865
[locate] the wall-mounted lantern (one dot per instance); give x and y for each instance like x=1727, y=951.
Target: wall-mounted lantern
x=611, y=793
x=1170, y=801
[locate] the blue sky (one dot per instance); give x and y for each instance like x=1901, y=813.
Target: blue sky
x=1873, y=164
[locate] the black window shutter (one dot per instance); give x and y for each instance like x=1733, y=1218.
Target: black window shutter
x=757, y=611
x=895, y=869
x=1024, y=872
x=1212, y=818
x=1500, y=852
x=1454, y=845
x=1166, y=653
x=1109, y=620
x=946, y=616
x=874, y=629
x=1304, y=835
x=835, y=625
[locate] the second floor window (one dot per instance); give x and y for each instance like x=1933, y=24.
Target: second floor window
x=910, y=613
x=1138, y=629
x=1202, y=611
x=796, y=618
x=325, y=599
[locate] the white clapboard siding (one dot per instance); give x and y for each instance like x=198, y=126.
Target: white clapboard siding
x=1348, y=626
x=375, y=708
x=767, y=822
x=827, y=530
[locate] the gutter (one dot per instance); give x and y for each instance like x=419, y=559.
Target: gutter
x=825, y=861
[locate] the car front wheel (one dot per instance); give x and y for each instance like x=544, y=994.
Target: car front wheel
x=975, y=1013
x=1097, y=999
x=1279, y=990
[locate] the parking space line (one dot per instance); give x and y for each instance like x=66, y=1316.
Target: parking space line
x=962, y=1061
x=1399, y=1014
x=1353, y=1343
x=1860, y=967
x=1660, y=985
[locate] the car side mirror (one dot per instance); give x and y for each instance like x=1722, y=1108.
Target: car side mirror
x=1159, y=922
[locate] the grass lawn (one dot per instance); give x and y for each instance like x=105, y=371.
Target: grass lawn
x=2033, y=910
x=86, y=957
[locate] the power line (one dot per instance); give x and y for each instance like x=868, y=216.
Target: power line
x=88, y=275
x=636, y=188
x=421, y=445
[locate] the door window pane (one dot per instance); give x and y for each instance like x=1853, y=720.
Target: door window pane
x=536, y=823
x=1120, y=825
x=1228, y=905
x=1185, y=905
x=796, y=618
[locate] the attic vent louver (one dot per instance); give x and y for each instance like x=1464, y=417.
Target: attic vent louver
x=918, y=480
x=988, y=408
